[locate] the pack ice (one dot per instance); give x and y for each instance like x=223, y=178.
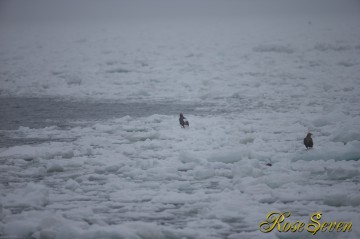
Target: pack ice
x=258, y=78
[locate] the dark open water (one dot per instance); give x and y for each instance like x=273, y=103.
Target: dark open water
x=43, y=112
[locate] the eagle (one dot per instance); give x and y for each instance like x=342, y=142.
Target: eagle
x=308, y=142
x=183, y=121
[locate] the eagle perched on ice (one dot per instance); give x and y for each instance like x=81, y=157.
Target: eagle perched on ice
x=308, y=142
x=183, y=121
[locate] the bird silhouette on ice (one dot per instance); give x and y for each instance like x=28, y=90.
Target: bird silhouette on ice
x=183, y=121
x=308, y=142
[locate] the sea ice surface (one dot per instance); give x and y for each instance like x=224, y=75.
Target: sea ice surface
x=97, y=150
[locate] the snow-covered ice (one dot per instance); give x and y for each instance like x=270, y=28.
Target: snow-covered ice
x=148, y=178
x=257, y=83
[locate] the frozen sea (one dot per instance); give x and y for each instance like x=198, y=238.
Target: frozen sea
x=90, y=142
